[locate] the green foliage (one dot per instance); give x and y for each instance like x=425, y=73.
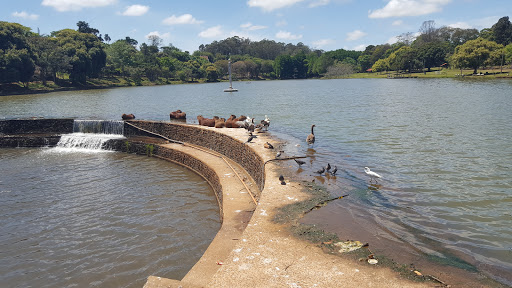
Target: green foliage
x=502, y=31
x=17, y=61
x=474, y=53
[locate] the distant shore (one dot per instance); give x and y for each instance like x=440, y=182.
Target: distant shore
x=37, y=87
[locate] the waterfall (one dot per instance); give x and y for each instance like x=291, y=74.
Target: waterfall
x=90, y=135
x=99, y=126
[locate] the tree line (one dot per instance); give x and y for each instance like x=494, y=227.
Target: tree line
x=76, y=55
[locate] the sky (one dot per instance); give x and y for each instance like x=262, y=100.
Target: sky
x=320, y=24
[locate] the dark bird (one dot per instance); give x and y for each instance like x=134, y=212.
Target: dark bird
x=268, y=145
x=278, y=154
x=333, y=172
x=281, y=178
x=300, y=162
x=250, y=138
x=283, y=183
x=311, y=137
x=320, y=171
x=328, y=167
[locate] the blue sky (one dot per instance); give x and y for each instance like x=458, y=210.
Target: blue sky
x=320, y=24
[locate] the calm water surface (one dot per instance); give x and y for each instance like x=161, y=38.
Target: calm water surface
x=74, y=219
x=443, y=147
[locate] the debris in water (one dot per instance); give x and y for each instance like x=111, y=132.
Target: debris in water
x=348, y=246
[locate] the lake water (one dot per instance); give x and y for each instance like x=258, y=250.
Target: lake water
x=443, y=147
x=99, y=219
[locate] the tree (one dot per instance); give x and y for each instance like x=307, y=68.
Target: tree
x=83, y=27
x=474, y=54
x=502, y=31
x=211, y=73
x=87, y=57
x=433, y=54
x=17, y=61
x=107, y=38
x=283, y=67
x=339, y=70
x=131, y=41
x=428, y=31
x=155, y=40
x=380, y=65
x=121, y=55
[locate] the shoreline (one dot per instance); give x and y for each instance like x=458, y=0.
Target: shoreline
x=121, y=82
x=455, y=272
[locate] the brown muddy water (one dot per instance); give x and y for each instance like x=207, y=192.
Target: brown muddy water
x=75, y=218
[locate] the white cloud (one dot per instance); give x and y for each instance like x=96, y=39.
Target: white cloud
x=462, y=25
x=183, y=19
x=317, y=3
x=281, y=23
x=135, y=10
x=271, y=5
x=25, y=15
x=76, y=5
x=164, y=36
x=397, y=23
x=322, y=43
x=287, y=35
x=212, y=32
x=251, y=27
x=354, y=35
x=400, y=8
x=361, y=47
x=392, y=40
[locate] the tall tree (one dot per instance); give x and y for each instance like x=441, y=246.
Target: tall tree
x=502, y=31
x=474, y=53
x=17, y=60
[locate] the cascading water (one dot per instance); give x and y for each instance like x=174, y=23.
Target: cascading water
x=90, y=135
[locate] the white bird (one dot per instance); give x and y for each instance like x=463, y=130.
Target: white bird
x=372, y=174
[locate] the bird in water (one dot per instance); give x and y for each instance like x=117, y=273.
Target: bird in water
x=320, y=171
x=333, y=172
x=311, y=137
x=300, y=162
x=278, y=154
x=373, y=175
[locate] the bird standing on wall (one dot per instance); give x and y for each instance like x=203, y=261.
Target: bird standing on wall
x=328, y=168
x=311, y=137
x=373, y=175
x=281, y=178
x=250, y=138
x=268, y=145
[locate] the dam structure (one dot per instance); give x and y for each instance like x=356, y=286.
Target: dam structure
x=250, y=249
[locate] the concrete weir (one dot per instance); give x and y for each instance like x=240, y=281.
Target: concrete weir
x=250, y=249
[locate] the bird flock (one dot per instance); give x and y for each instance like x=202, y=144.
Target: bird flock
x=247, y=123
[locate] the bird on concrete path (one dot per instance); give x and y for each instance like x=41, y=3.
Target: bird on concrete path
x=268, y=145
x=328, y=168
x=333, y=172
x=373, y=175
x=320, y=171
x=281, y=178
x=250, y=138
x=300, y=162
x=278, y=154
x=311, y=137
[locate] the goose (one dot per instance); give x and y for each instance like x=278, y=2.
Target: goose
x=311, y=137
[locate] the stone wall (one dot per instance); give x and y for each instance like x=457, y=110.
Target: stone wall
x=29, y=141
x=223, y=144
x=36, y=126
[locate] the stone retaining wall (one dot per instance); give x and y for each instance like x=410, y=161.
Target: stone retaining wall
x=198, y=135
x=36, y=126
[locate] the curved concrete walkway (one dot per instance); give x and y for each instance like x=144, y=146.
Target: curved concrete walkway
x=265, y=254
